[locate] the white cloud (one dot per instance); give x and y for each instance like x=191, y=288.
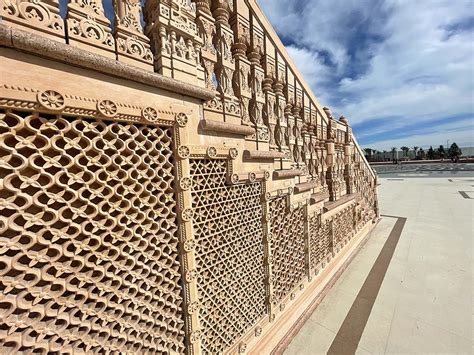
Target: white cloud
x=419, y=71
x=311, y=66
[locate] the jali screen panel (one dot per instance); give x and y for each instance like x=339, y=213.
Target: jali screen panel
x=227, y=224
x=88, y=245
x=287, y=247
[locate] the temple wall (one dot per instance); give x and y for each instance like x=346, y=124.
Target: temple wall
x=182, y=193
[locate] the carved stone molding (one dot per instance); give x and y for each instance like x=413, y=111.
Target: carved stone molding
x=262, y=155
x=53, y=101
x=223, y=127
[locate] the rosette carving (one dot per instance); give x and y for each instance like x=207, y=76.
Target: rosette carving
x=51, y=100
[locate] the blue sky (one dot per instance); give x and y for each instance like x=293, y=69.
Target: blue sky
x=401, y=71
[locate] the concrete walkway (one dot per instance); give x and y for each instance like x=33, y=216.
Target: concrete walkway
x=423, y=302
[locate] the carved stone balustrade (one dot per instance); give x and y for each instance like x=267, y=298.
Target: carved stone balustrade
x=168, y=185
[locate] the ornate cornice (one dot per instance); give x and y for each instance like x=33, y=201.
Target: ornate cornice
x=50, y=49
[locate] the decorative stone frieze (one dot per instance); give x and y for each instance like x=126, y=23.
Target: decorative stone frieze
x=133, y=46
x=175, y=41
x=88, y=28
x=40, y=17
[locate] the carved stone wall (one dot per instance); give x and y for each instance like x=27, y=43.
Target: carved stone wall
x=168, y=182
x=89, y=257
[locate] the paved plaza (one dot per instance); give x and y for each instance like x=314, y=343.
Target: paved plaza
x=409, y=289
x=423, y=170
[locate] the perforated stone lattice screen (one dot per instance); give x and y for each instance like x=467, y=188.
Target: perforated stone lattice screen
x=320, y=241
x=88, y=245
x=229, y=253
x=344, y=221
x=287, y=247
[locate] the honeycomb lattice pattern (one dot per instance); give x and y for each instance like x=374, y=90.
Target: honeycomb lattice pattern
x=287, y=247
x=88, y=245
x=227, y=222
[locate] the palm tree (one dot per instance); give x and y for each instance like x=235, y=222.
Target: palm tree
x=368, y=153
x=394, y=152
x=441, y=152
x=415, y=148
x=431, y=153
x=376, y=154
x=405, y=150
x=422, y=153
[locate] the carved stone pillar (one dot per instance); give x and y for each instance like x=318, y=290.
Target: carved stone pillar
x=207, y=30
x=133, y=47
x=289, y=132
x=271, y=118
x=41, y=17
x=289, y=91
x=322, y=154
x=88, y=28
x=225, y=67
x=175, y=42
x=340, y=170
x=257, y=76
x=349, y=171
x=241, y=82
x=298, y=137
x=313, y=168
x=348, y=174
x=331, y=159
x=282, y=134
x=306, y=139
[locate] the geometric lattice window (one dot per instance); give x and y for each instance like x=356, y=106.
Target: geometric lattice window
x=343, y=224
x=287, y=247
x=227, y=224
x=88, y=242
x=320, y=240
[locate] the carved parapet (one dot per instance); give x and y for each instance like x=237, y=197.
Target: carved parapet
x=175, y=42
x=88, y=28
x=133, y=46
x=34, y=16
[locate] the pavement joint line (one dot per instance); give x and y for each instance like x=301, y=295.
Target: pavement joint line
x=465, y=195
x=348, y=337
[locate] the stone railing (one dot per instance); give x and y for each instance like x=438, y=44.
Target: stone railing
x=168, y=184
